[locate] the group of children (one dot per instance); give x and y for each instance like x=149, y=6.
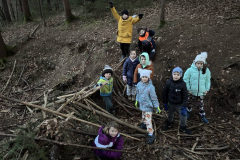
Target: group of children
x=179, y=92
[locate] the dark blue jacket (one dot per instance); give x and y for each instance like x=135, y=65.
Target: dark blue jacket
x=129, y=68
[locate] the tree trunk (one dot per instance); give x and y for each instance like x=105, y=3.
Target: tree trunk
x=49, y=5
x=6, y=10
x=11, y=9
x=41, y=12
x=2, y=47
x=68, y=13
x=2, y=14
x=26, y=11
x=20, y=4
x=56, y=5
x=162, y=13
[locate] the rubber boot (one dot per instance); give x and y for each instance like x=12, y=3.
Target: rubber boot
x=183, y=129
x=150, y=139
x=168, y=126
x=204, y=119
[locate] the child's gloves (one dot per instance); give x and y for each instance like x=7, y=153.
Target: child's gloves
x=184, y=111
x=158, y=110
x=111, y=4
x=99, y=84
x=165, y=106
x=125, y=79
x=137, y=104
x=140, y=15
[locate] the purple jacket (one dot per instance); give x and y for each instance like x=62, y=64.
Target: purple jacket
x=106, y=141
x=129, y=68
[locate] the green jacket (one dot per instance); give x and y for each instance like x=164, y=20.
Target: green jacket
x=197, y=82
x=107, y=89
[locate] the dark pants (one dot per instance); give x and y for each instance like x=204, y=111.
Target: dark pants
x=108, y=102
x=150, y=51
x=172, y=109
x=125, y=49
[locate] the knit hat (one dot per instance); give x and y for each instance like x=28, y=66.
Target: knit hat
x=179, y=70
x=107, y=69
x=201, y=57
x=125, y=12
x=146, y=73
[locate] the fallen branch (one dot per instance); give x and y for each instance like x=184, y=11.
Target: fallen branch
x=97, y=106
x=113, y=118
x=31, y=34
x=9, y=77
x=70, y=144
x=66, y=115
x=123, y=106
x=213, y=149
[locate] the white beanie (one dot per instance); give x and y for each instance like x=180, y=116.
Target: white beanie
x=146, y=73
x=201, y=57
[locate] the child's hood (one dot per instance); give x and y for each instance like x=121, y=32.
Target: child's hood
x=147, y=59
x=101, y=77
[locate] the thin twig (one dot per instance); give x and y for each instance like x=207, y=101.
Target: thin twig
x=9, y=77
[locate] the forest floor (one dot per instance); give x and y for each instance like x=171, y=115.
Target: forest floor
x=58, y=52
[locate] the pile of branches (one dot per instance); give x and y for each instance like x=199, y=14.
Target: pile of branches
x=207, y=141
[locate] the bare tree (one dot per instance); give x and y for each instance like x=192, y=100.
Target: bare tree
x=56, y=5
x=20, y=4
x=41, y=13
x=2, y=14
x=68, y=13
x=11, y=9
x=6, y=11
x=162, y=13
x=49, y=5
x=26, y=11
x=2, y=47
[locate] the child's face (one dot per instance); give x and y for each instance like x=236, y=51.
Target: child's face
x=143, y=60
x=124, y=16
x=113, y=132
x=199, y=64
x=141, y=33
x=133, y=55
x=107, y=75
x=144, y=79
x=176, y=76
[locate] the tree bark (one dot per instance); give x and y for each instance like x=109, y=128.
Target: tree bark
x=162, y=13
x=49, y=5
x=20, y=5
x=68, y=13
x=11, y=9
x=41, y=13
x=2, y=14
x=2, y=47
x=6, y=10
x=26, y=11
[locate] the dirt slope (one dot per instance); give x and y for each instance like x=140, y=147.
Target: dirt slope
x=192, y=26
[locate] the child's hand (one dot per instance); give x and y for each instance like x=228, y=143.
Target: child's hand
x=205, y=92
x=125, y=79
x=140, y=15
x=189, y=92
x=111, y=4
x=184, y=111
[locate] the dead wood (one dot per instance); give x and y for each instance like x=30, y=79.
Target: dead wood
x=112, y=117
x=33, y=32
x=77, y=119
x=195, y=144
x=81, y=132
x=9, y=77
x=213, y=149
x=98, y=107
x=122, y=106
x=70, y=144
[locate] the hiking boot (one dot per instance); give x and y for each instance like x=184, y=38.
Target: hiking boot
x=168, y=126
x=129, y=98
x=150, y=139
x=185, y=130
x=122, y=57
x=204, y=119
x=143, y=126
x=133, y=98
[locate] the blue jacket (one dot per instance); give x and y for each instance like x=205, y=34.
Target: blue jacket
x=146, y=96
x=197, y=82
x=129, y=68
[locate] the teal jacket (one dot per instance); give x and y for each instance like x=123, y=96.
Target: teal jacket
x=197, y=82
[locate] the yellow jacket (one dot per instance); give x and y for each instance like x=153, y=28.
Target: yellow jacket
x=125, y=27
